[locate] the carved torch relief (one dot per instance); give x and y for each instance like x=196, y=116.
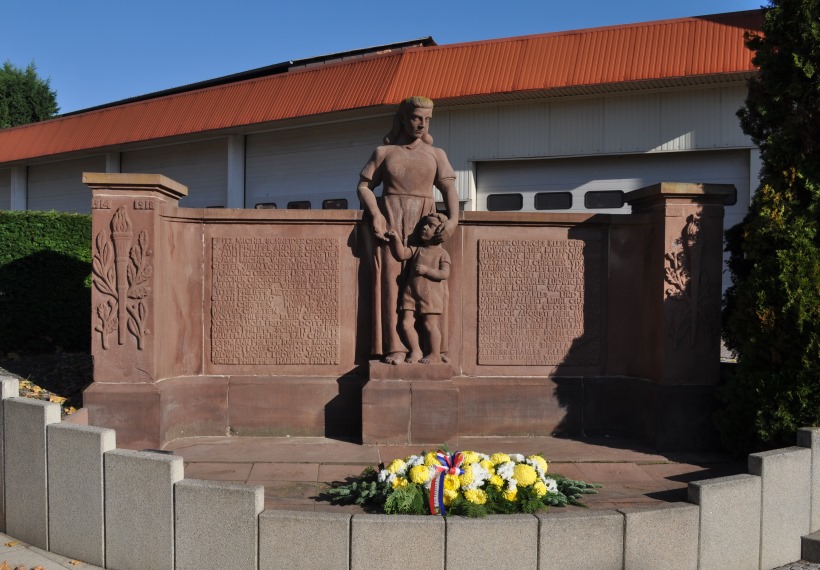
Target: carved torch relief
x=122, y=273
x=688, y=288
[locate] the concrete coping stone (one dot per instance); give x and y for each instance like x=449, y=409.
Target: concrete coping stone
x=495, y=537
x=9, y=387
x=662, y=536
x=386, y=541
x=288, y=539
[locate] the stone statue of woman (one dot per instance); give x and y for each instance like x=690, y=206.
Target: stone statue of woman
x=407, y=167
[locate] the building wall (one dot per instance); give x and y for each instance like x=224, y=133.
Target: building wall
x=314, y=163
x=201, y=166
x=5, y=189
x=59, y=185
x=675, y=120
x=323, y=161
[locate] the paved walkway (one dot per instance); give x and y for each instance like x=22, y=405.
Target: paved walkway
x=295, y=470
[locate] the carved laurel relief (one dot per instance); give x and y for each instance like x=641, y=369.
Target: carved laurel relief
x=688, y=288
x=122, y=273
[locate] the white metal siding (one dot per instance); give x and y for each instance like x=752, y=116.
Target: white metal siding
x=59, y=185
x=201, y=166
x=631, y=122
x=682, y=120
x=690, y=120
x=314, y=163
x=5, y=189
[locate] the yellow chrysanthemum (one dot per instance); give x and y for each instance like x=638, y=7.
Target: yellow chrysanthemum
x=419, y=474
x=430, y=459
x=451, y=483
x=497, y=458
x=497, y=481
x=525, y=475
x=467, y=477
x=510, y=495
x=476, y=496
x=539, y=460
x=469, y=457
x=540, y=489
x=488, y=466
x=449, y=497
x=396, y=465
x=399, y=482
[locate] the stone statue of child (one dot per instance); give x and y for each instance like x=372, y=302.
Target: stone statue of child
x=425, y=289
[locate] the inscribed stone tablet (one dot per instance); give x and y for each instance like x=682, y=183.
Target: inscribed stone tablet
x=538, y=302
x=275, y=301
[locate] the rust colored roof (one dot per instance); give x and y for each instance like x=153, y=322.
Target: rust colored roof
x=705, y=46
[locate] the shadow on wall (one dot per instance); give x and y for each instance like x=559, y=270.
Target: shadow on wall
x=45, y=304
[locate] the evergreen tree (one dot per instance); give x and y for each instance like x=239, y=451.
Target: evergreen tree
x=772, y=310
x=24, y=97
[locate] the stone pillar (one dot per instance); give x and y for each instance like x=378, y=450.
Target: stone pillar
x=127, y=296
x=683, y=272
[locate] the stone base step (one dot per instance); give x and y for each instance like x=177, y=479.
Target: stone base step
x=811, y=547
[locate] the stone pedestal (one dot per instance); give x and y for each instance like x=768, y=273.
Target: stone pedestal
x=409, y=403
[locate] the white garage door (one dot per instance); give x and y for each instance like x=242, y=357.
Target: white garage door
x=606, y=173
x=578, y=176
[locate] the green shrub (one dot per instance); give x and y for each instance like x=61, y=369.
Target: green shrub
x=45, y=295
x=772, y=310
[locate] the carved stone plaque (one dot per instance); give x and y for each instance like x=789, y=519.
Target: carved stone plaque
x=275, y=301
x=538, y=302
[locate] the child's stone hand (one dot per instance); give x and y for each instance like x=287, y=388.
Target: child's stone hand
x=392, y=235
x=421, y=269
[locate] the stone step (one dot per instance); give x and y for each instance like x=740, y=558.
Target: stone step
x=811, y=547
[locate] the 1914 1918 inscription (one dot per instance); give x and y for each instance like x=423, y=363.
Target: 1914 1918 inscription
x=275, y=301
x=538, y=302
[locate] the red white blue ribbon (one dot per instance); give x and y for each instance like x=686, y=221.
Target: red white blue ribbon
x=448, y=465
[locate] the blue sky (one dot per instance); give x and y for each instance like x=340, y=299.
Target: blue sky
x=99, y=51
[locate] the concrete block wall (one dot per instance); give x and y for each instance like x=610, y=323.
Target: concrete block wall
x=151, y=517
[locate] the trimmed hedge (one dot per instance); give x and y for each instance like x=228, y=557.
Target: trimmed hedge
x=45, y=280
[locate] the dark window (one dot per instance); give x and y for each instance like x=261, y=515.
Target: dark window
x=553, y=201
x=731, y=200
x=337, y=204
x=504, y=202
x=300, y=205
x=604, y=199
x=266, y=206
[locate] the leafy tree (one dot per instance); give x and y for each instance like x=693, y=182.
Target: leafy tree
x=772, y=310
x=24, y=97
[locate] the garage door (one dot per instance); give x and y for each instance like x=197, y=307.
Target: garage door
x=579, y=176
x=562, y=182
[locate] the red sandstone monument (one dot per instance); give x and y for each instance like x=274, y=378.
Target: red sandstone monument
x=274, y=322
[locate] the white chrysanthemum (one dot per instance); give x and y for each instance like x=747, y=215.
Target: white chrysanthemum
x=517, y=457
x=538, y=470
x=505, y=470
x=480, y=476
x=512, y=485
x=383, y=475
x=483, y=456
x=414, y=460
x=552, y=486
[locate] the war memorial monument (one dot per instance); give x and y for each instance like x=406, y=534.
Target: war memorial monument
x=398, y=324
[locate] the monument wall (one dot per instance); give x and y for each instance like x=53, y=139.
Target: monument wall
x=257, y=322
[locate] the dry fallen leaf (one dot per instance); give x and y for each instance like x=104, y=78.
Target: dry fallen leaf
x=74, y=562
x=56, y=399
x=12, y=543
x=5, y=566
